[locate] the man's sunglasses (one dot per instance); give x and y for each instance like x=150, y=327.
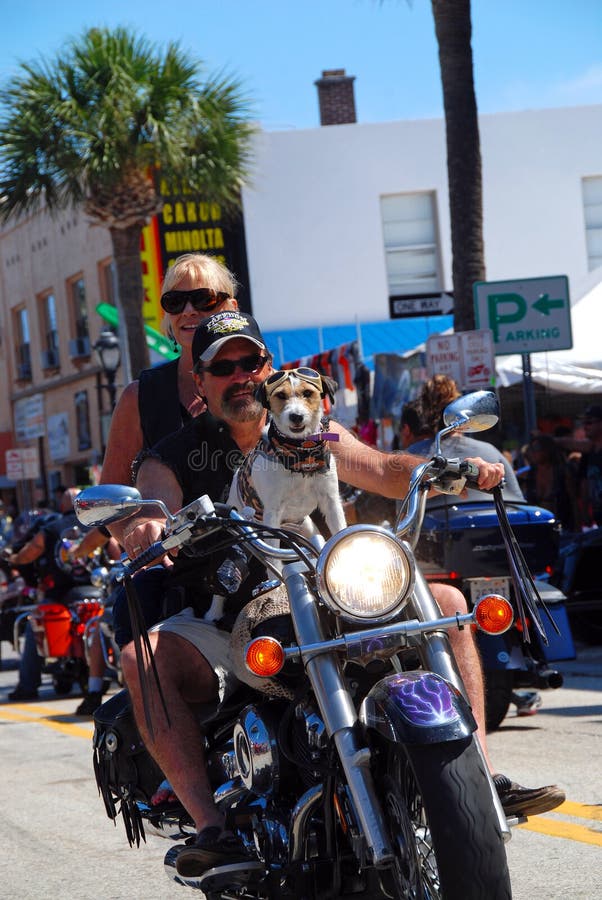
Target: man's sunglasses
x=220, y=368
x=202, y=299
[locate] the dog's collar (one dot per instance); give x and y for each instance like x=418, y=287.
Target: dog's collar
x=323, y=436
x=306, y=455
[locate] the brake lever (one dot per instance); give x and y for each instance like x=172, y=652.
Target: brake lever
x=178, y=529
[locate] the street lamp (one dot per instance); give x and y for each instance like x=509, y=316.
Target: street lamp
x=109, y=356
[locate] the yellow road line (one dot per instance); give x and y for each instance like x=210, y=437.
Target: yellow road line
x=33, y=708
x=48, y=716
x=70, y=728
x=569, y=830
x=581, y=810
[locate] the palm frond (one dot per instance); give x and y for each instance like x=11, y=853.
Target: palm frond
x=112, y=103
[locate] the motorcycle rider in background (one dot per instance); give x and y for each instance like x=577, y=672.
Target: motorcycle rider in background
x=590, y=469
x=192, y=656
x=41, y=550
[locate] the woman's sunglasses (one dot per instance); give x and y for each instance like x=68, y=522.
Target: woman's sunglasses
x=220, y=368
x=202, y=299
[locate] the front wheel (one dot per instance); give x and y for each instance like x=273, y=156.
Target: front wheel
x=446, y=839
x=62, y=686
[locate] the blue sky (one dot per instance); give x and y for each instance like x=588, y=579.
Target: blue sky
x=528, y=53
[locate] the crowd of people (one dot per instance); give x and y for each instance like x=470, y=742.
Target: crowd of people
x=206, y=399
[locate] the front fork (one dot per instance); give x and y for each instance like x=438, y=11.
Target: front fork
x=339, y=715
x=437, y=656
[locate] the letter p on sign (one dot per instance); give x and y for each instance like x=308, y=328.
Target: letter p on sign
x=505, y=309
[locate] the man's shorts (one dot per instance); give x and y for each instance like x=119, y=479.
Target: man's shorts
x=214, y=645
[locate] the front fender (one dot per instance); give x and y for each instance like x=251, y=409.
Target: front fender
x=417, y=708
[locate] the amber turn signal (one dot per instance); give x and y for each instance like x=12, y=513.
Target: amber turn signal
x=265, y=657
x=494, y=614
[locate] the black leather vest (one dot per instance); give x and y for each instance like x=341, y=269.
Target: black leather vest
x=161, y=412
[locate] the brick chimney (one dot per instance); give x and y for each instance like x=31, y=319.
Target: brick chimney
x=336, y=97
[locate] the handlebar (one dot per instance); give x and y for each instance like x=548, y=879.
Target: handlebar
x=449, y=476
x=186, y=523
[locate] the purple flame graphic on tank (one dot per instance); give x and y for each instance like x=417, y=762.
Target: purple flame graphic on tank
x=425, y=699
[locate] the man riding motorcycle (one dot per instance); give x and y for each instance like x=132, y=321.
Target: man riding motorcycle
x=40, y=549
x=193, y=656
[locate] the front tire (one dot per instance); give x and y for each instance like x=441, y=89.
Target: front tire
x=62, y=686
x=446, y=839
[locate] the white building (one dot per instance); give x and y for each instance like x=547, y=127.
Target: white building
x=339, y=219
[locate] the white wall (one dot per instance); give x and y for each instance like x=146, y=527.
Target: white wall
x=312, y=214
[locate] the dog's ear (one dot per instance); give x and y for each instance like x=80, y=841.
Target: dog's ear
x=329, y=387
x=261, y=395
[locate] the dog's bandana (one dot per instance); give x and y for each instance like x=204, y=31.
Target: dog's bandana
x=309, y=456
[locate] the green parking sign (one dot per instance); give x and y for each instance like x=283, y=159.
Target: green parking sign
x=532, y=315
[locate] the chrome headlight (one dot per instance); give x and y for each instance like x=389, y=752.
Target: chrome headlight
x=365, y=573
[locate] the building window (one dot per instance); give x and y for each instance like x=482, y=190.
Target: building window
x=79, y=308
x=80, y=344
x=82, y=417
x=23, y=348
x=592, y=208
x=107, y=277
x=50, y=332
x=411, y=244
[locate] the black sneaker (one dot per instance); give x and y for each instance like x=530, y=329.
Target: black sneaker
x=521, y=801
x=211, y=848
x=89, y=704
x=20, y=695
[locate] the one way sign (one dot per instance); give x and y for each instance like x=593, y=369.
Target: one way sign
x=431, y=305
x=526, y=316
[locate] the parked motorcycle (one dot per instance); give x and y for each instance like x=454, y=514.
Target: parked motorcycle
x=357, y=771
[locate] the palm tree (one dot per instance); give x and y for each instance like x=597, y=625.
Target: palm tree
x=453, y=29
x=91, y=129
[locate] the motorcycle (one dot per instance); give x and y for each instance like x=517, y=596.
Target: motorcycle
x=18, y=583
x=107, y=577
x=356, y=771
x=59, y=627
x=460, y=544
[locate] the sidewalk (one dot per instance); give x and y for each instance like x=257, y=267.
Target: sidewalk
x=587, y=664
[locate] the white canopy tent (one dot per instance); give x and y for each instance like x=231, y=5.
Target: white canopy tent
x=575, y=371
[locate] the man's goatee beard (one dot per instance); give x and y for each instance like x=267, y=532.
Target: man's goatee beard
x=246, y=412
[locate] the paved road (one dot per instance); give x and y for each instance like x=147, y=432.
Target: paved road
x=56, y=841
x=558, y=856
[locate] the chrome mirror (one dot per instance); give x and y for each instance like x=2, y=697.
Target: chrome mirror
x=106, y=503
x=472, y=412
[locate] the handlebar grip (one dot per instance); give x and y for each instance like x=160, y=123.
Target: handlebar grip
x=223, y=510
x=469, y=471
x=146, y=557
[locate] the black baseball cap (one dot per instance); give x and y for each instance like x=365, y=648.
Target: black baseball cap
x=217, y=330
x=593, y=412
